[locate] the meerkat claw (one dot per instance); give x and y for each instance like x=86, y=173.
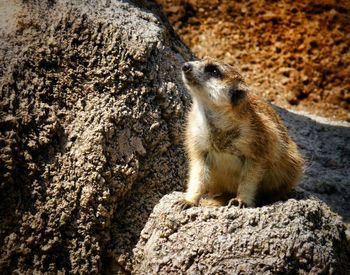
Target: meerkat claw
x=237, y=202
x=184, y=204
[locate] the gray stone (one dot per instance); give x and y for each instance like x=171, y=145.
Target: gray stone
x=294, y=237
x=91, y=114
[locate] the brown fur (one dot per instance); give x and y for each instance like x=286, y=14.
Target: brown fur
x=237, y=147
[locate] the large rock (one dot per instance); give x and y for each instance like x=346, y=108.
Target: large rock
x=326, y=149
x=295, y=237
x=91, y=114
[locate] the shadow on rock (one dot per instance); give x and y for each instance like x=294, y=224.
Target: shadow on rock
x=326, y=148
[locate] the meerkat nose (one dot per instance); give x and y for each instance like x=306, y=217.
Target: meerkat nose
x=186, y=67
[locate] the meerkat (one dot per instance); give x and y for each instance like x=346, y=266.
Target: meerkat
x=238, y=148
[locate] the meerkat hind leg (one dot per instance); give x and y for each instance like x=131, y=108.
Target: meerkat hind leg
x=237, y=202
x=221, y=200
x=251, y=175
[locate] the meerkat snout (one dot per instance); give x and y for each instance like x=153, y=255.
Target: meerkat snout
x=186, y=67
x=190, y=74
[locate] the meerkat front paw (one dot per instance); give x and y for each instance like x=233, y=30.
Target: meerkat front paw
x=237, y=202
x=184, y=204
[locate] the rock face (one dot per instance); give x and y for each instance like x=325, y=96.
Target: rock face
x=326, y=149
x=294, y=237
x=91, y=114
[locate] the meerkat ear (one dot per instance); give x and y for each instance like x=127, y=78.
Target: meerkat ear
x=236, y=95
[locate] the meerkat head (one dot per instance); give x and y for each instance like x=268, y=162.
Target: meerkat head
x=215, y=83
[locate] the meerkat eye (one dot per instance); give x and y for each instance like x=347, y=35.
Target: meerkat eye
x=212, y=70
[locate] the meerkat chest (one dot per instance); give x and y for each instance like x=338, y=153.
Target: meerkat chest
x=224, y=141
x=223, y=135
x=198, y=129
x=213, y=134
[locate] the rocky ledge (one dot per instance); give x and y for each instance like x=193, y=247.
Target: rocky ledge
x=299, y=236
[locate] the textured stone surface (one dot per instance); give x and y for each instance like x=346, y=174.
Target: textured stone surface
x=91, y=112
x=295, y=237
x=326, y=149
